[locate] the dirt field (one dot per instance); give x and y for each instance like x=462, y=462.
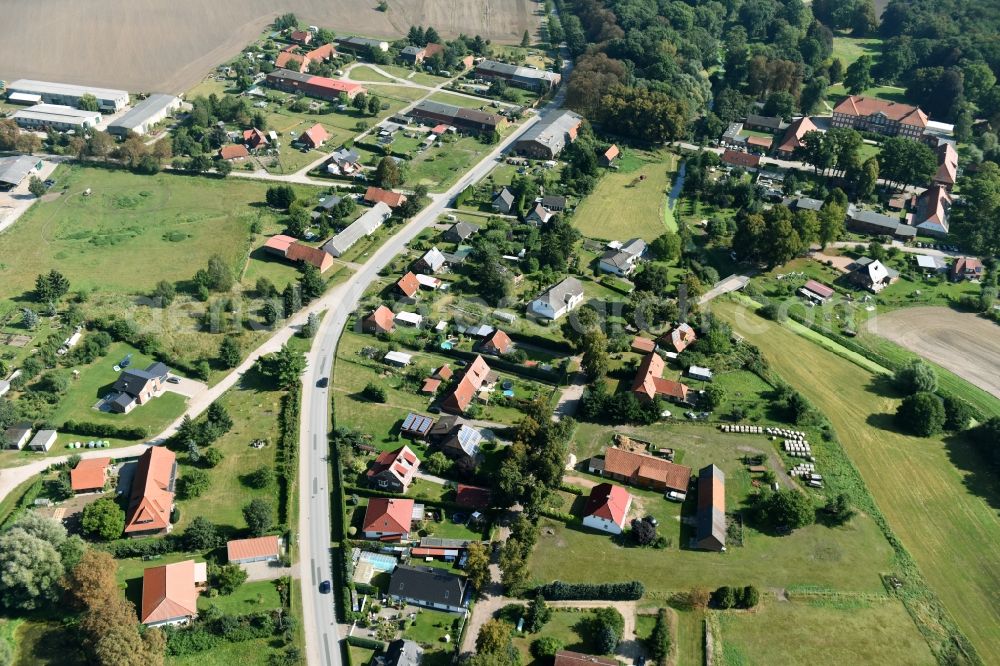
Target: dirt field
x=966, y=344
x=167, y=46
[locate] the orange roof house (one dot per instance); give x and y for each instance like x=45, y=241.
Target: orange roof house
x=430, y=385
x=380, y=321
x=792, y=140
x=476, y=375
x=643, y=345
x=681, y=337
x=234, y=151
x=278, y=244
x=740, y=159
x=644, y=470
x=315, y=136
x=301, y=36
x=607, y=508
x=373, y=195
x=253, y=138
x=649, y=383
x=288, y=59
x=947, y=172
x=260, y=549
x=388, y=518
x=393, y=470
x=498, y=343
x=89, y=475
x=871, y=114
x=609, y=155
x=152, y=496
x=409, y=285
x=473, y=497
x=322, y=52
x=170, y=593
x=444, y=372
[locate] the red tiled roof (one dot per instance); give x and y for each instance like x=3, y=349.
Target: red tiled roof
x=285, y=58
x=303, y=36
x=315, y=136
x=947, y=171
x=243, y=549
x=439, y=129
x=760, y=141
x=233, y=151
x=611, y=153
x=432, y=48
x=336, y=85
x=382, y=318
x=324, y=52
x=856, y=105
x=795, y=132
x=279, y=243
x=253, y=137
x=444, y=372
x=311, y=255
x=385, y=514
x=628, y=464
x=475, y=375
x=169, y=592
x=499, y=341
x=609, y=502
x=402, y=462
x=431, y=385
x=641, y=344
x=681, y=337
x=473, y=497
x=737, y=158
x=89, y=474
x=151, y=498
x=392, y=199
x=408, y=284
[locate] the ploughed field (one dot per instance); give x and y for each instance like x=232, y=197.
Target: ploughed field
x=166, y=46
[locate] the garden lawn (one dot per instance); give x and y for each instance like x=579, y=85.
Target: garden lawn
x=254, y=406
x=936, y=494
x=690, y=637
x=849, y=49
x=430, y=627
x=366, y=73
x=869, y=631
x=459, y=100
x=441, y=165
x=566, y=625
x=251, y=597
x=622, y=206
x=256, y=651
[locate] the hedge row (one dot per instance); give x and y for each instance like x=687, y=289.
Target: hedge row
x=287, y=445
x=22, y=505
x=87, y=429
x=560, y=591
x=561, y=516
x=367, y=643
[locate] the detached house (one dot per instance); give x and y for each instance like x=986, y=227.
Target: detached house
x=872, y=275
x=558, y=300
x=382, y=320
x=710, y=533
x=170, y=593
x=137, y=387
x=680, y=338
x=607, y=508
x=314, y=137
x=152, y=496
x=497, y=344
x=539, y=215
x=388, y=519
x=89, y=475
x=428, y=586
x=374, y=195
x=431, y=262
x=932, y=211
x=503, y=202
x=649, y=383
x=253, y=138
x=622, y=260
x=477, y=376
x=456, y=439
x=408, y=285
x=393, y=470
x=460, y=232
x=966, y=268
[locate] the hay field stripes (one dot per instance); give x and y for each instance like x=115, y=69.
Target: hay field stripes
x=950, y=532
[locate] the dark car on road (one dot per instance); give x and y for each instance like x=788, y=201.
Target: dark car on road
x=323, y=382
x=325, y=587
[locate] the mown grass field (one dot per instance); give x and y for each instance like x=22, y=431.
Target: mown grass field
x=849, y=49
x=869, y=631
x=622, y=206
x=442, y=164
x=934, y=492
x=568, y=626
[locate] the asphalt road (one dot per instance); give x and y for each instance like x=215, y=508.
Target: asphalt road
x=315, y=538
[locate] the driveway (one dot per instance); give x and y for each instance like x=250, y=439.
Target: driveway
x=185, y=387
x=14, y=203
x=264, y=571
x=569, y=398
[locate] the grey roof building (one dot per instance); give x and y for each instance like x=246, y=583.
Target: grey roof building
x=55, y=116
x=558, y=300
x=460, y=231
x=520, y=77
x=13, y=170
x=545, y=140
x=805, y=203
x=108, y=99
x=428, y=586
x=363, y=226
x=144, y=115
x=401, y=652
x=870, y=222
x=554, y=202
x=503, y=202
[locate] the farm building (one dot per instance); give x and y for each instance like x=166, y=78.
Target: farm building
x=470, y=121
x=607, y=508
x=108, y=100
x=546, y=139
x=43, y=440
x=649, y=383
x=363, y=226
x=144, y=115
x=55, y=117
x=870, y=222
x=428, y=586
x=311, y=85
x=710, y=533
x=558, y=300
x=514, y=75
x=89, y=475
x=294, y=250
x=645, y=471
x=361, y=45
x=393, y=471
x=398, y=359
x=170, y=593
x=700, y=373
x=152, y=497
x=260, y=549
x=409, y=319
x=13, y=170
x=816, y=291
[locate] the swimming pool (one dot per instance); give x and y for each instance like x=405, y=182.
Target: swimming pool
x=446, y=344
x=380, y=562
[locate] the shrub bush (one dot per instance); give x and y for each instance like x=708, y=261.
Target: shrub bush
x=560, y=591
